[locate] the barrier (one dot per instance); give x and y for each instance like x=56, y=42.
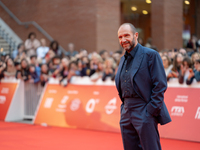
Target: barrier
x=32, y=93
x=11, y=100
x=18, y=100
x=183, y=103
x=84, y=104
x=95, y=105
x=80, y=106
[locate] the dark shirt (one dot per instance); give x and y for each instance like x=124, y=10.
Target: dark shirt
x=64, y=73
x=197, y=75
x=68, y=53
x=85, y=72
x=125, y=80
x=25, y=73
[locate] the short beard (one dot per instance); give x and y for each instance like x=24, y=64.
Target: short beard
x=128, y=49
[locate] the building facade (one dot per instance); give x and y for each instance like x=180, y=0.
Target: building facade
x=93, y=24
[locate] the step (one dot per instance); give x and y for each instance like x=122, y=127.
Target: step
x=4, y=44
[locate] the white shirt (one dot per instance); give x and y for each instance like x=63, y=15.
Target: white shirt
x=187, y=73
x=41, y=51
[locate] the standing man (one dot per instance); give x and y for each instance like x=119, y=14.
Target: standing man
x=42, y=50
x=141, y=83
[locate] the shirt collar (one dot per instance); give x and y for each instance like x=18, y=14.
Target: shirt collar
x=133, y=51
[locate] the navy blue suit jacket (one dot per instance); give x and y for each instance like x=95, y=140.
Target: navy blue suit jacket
x=149, y=82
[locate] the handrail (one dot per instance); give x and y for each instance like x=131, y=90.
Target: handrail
x=29, y=23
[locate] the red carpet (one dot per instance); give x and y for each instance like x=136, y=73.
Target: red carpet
x=17, y=136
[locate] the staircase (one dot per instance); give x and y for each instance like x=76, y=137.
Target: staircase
x=4, y=46
x=11, y=38
x=8, y=39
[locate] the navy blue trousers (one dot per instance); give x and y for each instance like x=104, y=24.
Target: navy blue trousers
x=139, y=129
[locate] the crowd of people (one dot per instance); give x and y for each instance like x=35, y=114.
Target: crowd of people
x=33, y=61
x=181, y=65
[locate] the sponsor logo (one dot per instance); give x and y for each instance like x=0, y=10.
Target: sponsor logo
x=96, y=92
x=2, y=99
x=72, y=92
x=177, y=111
x=181, y=98
x=111, y=106
x=91, y=105
x=4, y=90
x=197, y=116
x=52, y=91
x=62, y=106
x=48, y=102
x=75, y=104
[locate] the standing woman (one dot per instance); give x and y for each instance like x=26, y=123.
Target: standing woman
x=186, y=73
x=168, y=67
x=24, y=70
x=10, y=70
x=109, y=70
x=195, y=56
x=44, y=76
x=64, y=71
x=177, y=62
x=31, y=44
x=54, y=46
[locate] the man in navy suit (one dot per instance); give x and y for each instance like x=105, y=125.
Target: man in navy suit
x=141, y=83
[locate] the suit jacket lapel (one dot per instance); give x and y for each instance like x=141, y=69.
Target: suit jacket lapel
x=118, y=73
x=135, y=66
x=136, y=62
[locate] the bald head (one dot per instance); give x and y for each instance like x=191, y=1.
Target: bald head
x=133, y=29
x=43, y=42
x=128, y=36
